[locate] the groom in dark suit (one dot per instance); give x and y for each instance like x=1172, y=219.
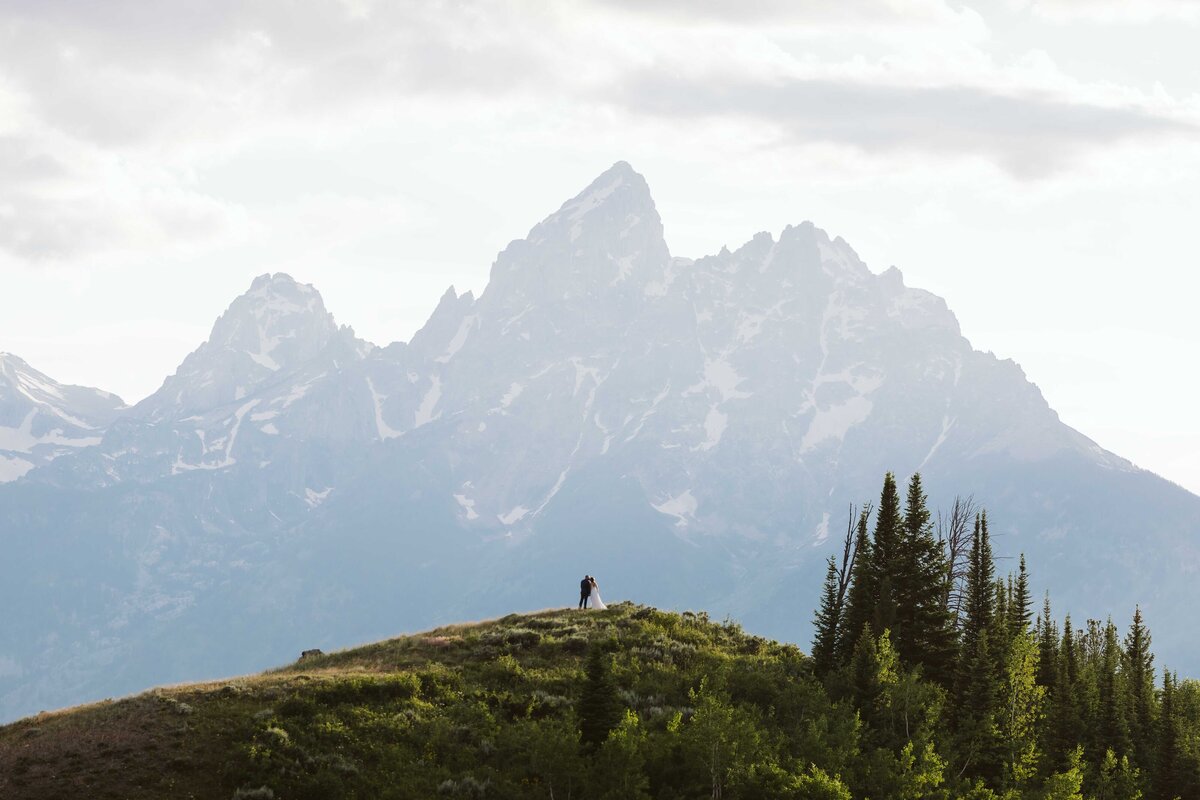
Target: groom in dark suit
x=585, y=589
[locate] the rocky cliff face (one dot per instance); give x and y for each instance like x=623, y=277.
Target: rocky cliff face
x=692, y=431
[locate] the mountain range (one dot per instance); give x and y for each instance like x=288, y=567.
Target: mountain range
x=690, y=431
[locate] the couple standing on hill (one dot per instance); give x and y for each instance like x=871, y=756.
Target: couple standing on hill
x=589, y=591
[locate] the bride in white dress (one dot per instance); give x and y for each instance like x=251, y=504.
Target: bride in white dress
x=594, y=600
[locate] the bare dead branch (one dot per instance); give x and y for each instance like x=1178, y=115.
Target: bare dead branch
x=954, y=531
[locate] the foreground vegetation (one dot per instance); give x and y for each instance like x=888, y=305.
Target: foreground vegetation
x=962, y=693
x=629, y=702
x=929, y=679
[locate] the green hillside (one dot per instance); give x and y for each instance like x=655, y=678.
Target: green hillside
x=931, y=679
x=491, y=709
x=631, y=702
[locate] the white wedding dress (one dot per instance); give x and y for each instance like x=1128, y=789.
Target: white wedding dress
x=594, y=600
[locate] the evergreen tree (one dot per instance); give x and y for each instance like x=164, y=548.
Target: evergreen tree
x=1019, y=613
x=980, y=600
x=1065, y=724
x=1070, y=651
x=1047, y=635
x=1111, y=733
x=600, y=707
x=1138, y=668
x=860, y=602
x=1001, y=632
x=866, y=682
x=1168, y=768
x=825, y=624
x=886, y=556
x=977, y=688
x=924, y=633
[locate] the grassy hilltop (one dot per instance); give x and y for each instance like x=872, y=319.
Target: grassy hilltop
x=930, y=679
x=492, y=709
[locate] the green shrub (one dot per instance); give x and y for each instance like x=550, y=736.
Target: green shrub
x=367, y=689
x=512, y=637
x=575, y=644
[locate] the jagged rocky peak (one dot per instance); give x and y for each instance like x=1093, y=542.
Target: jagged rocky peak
x=274, y=328
x=447, y=327
x=607, y=239
x=619, y=196
x=278, y=323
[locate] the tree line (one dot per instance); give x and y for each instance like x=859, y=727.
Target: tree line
x=951, y=672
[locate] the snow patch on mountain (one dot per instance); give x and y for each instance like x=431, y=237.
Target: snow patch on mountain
x=21, y=439
x=822, y=531
x=947, y=424
x=314, y=497
x=384, y=430
x=467, y=505
x=514, y=391
x=578, y=208
x=12, y=468
x=834, y=422
x=42, y=419
x=682, y=506
x=460, y=338
x=515, y=515
x=715, y=422
x=719, y=374
x=425, y=413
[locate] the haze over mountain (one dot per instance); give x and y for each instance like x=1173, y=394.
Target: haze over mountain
x=690, y=431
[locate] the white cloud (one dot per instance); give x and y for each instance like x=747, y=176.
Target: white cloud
x=116, y=112
x=1029, y=134
x=1113, y=11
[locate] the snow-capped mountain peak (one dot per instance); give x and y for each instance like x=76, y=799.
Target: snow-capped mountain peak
x=277, y=326
x=41, y=419
x=278, y=323
x=607, y=240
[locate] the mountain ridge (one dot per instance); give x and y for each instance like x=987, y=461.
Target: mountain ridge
x=600, y=397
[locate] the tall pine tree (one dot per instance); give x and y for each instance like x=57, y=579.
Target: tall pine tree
x=1138, y=669
x=978, y=684
x=1168, y=769
x=1047, y=638
x=1019, y=612
x=924, y=632
x=886, y=556
x=1111, y=733
x=1065, y=723
x=825, y=625
x=600, y=708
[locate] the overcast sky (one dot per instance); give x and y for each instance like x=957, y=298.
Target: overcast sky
x=1035, y=162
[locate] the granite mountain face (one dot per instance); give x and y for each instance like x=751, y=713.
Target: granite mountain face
x=690, y=431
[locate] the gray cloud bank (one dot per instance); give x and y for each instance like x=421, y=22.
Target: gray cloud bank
x=132, y=96
x=1029, y=135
